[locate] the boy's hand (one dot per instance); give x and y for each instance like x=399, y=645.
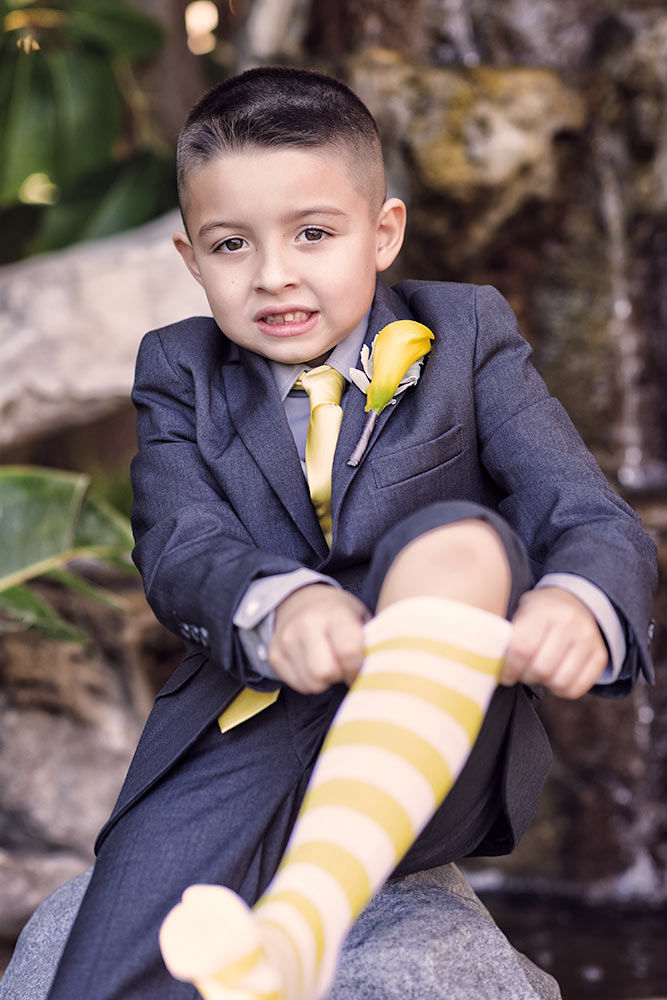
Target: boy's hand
x=555, y=641
x=318, y=639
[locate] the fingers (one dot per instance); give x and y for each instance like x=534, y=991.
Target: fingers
x=318, y=638
x=347, y=641
x=568, y=668
x=305, y=662
x=577, y=674
x=313, y=661
x=556, y=642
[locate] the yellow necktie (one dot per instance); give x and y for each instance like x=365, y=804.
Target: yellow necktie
x=324, y=386
x=246, y=704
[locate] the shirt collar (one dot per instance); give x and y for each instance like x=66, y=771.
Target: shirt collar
x=343, y=357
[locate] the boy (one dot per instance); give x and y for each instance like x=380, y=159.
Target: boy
x=472, y=487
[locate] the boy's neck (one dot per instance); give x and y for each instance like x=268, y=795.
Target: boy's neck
x=344, y=356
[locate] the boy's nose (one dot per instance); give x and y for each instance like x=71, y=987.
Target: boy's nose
x=275, y=270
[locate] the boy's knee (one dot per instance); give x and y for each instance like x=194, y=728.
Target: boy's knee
x=465, y=560
x=469, y=545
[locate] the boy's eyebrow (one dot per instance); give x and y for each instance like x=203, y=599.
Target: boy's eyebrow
x=316, y=210
x=292, y=216
x=208, y=227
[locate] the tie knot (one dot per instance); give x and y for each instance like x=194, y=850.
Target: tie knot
x=323, y=384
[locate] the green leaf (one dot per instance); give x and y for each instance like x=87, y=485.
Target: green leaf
x=39, y=510
x=64, y=222
x=20, y=4
x=102, y=529
x=136, y=196
x=61, y=225
x=8, y=58
x=88, y=111
x=111, y=26
x=28, y=126
x=122, y=565
x=20, y=605
x=73, y=581
x=47, y=522
x=115, y=26
x=113, y=199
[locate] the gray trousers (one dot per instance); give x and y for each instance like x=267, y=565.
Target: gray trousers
x=424, y=936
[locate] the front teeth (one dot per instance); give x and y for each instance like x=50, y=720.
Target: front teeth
x=279, y=319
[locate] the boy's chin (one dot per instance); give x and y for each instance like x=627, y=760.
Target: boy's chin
x=298, y=356
x=319, y=360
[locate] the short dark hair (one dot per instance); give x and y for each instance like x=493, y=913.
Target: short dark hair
x=279, y=106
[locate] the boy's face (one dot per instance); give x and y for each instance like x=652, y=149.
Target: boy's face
x=286, y=248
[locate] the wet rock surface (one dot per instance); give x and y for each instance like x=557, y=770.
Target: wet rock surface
x=600, y=831
x=549, y=183
x=70, y=718
x=467, y=148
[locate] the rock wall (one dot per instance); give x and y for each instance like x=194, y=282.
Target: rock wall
x=70, y=717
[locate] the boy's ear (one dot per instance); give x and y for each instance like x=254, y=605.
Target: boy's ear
x=184, y=247
x=390, y=232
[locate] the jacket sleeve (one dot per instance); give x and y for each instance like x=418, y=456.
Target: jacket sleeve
x=554, y=493
x=195, y=556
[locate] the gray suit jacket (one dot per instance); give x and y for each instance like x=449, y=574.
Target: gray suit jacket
x=220, y=499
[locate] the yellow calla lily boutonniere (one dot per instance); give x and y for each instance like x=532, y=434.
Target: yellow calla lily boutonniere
x=392, y=366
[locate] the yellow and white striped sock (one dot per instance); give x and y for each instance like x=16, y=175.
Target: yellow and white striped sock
x=398, y=742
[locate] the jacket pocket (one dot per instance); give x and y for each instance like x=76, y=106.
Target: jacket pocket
x=389, y=470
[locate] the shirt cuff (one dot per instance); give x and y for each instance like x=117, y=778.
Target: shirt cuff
x=255, y=616
x=604, y=613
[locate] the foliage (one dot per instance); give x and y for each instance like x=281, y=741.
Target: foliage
x=48, y=523
x=79, y=157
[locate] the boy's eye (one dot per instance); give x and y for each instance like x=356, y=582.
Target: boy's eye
x=231, y=245
x=312, y=234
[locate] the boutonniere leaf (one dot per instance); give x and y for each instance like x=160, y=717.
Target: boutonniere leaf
x=389, y=368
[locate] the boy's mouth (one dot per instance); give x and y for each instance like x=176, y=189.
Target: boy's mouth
x=289, y=322
x=279, y=319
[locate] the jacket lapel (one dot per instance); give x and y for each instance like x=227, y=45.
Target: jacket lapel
x=259, y=417
x=387, y=307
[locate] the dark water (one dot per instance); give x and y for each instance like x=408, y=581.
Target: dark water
x=601, y=952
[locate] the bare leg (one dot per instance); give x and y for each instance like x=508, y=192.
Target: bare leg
x=464, y=561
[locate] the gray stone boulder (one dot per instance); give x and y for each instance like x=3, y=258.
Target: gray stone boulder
x=424, y=935
x=71, y=322
x=427, y=935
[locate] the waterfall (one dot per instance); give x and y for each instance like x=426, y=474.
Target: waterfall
x=638, y=470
